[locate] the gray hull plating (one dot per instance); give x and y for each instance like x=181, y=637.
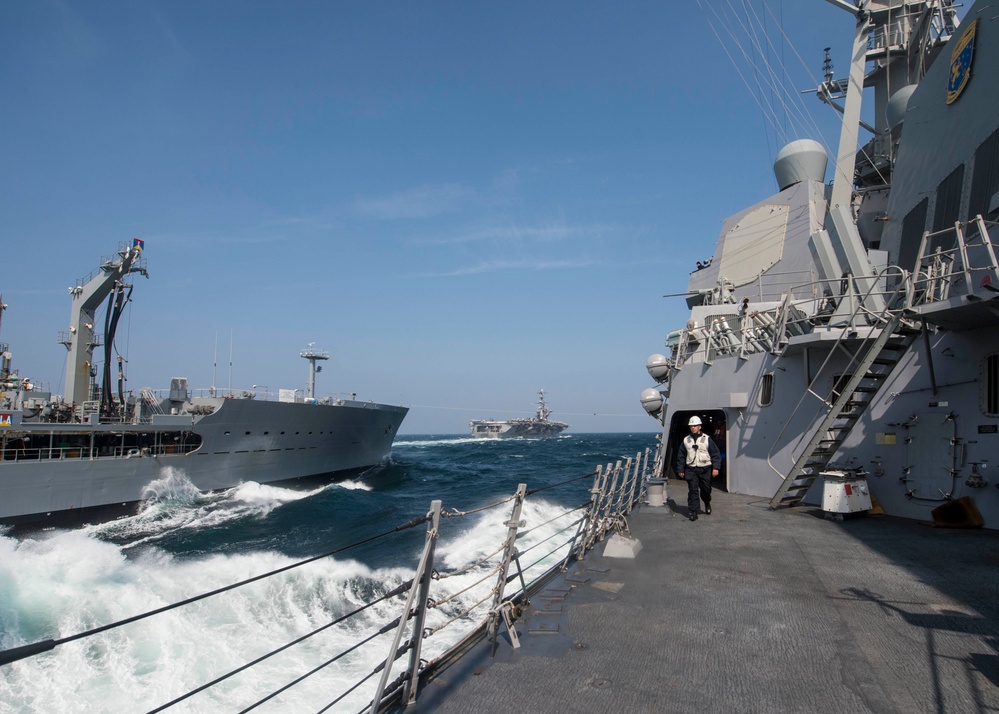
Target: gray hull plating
x=243, y=440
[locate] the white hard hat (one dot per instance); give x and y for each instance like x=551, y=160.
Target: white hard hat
x=694, y=421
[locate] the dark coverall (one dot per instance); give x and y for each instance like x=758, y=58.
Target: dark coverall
x=698, y=478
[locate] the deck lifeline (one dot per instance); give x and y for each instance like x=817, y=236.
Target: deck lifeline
x=750, y=610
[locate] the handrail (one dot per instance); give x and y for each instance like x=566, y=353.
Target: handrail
x=938, y=272
x=848, y=331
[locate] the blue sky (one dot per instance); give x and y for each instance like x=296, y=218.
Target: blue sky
x=462, y=202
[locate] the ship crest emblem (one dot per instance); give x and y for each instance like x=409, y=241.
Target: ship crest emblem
x=960, y=62
x=4, y=419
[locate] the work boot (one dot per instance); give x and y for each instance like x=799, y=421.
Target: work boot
x=693, y=515
x=707, y=509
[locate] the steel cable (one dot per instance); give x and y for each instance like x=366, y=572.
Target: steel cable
x=455, y=513
x=394, y=593
x=385, y=629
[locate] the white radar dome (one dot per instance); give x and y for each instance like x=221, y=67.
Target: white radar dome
x=658, y=367
x=652, y=400
x=801, y=160
x=899, y=102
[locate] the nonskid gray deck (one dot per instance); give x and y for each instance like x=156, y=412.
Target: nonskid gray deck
x=750, y=610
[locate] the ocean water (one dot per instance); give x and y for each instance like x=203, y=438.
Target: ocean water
x=57, y=583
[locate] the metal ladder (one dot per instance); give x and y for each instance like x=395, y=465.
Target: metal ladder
x=847, y=403
x=149, y=400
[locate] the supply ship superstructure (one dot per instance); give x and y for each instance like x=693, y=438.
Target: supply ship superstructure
x=852, y=327
x=98, y=451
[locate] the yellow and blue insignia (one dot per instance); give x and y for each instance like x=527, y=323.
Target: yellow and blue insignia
x=4, y=419
x=960, y=62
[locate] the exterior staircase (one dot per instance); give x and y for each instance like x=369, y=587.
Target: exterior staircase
x=872, y=363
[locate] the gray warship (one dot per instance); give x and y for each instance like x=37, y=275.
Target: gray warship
x=538, y=427
x=98, y=451
x=842, y=339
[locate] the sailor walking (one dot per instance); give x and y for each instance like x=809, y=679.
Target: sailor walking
x=697, y=461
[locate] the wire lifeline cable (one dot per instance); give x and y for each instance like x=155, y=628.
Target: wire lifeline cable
x=384, y=630
x=452, y=596
x=395, y=592
x=17, y=653
x=561, y=530
x=455, y=513
x=435, y=575
x=521, y=534
x=433, y=631
x=531, y=492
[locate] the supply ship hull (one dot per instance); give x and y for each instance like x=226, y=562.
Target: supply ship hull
x=63, y=462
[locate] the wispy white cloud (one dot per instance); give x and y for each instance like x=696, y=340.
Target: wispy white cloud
x=418, y=202
x=496, y=266
x=542, y=233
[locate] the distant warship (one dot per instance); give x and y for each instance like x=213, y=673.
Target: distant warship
x=93, y=454
x=537, y=428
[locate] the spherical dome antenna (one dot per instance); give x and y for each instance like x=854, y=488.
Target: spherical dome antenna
x=801, y=160
x=658, y=367
x=652, y=400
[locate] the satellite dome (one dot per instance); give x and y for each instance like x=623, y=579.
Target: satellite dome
x=899, y=102
x=652, y=400
x=801, y=160
x=658, y=367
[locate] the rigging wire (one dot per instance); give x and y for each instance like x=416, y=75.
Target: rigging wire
x=791, y=104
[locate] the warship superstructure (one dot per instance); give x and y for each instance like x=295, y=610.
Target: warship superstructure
x=96, y=452
x=538, y=427
x=849, y=331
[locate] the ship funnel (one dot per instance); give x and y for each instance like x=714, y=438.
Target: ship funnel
x=802, y=160
x=652, y=400
x=899, y=102
x=658, y=367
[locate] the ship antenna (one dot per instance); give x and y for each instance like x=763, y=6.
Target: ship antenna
x=215, y=363
x=312, y=354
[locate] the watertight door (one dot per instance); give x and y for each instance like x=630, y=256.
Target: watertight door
x=931, y=456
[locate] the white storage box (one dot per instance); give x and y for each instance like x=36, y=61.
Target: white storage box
x=844, y=492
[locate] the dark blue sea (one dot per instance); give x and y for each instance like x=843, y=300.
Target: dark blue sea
x=57, y=583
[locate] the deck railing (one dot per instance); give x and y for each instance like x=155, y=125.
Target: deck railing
x=444, y=610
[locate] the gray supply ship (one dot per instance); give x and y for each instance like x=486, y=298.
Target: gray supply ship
x=93, y=454
x=538, y=427
x=843, y=338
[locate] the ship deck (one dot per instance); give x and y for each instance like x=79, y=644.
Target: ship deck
x=751, y=610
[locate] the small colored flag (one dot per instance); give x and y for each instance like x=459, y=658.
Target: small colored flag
x=138, y=243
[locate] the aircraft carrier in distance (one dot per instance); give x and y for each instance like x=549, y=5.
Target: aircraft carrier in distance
x=538, y=427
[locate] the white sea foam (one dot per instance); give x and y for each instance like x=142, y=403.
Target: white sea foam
x=352, y=485
x=66, y=582
x=438, y=441
x=172, y=503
